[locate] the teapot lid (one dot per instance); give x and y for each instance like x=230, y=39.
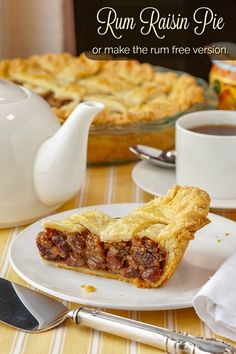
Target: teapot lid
x=10, y=93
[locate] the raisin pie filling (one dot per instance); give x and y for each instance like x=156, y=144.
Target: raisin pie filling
x=54, y=101
x=143, y=247
x=140, y=258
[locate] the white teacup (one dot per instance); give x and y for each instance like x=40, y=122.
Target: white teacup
x=207, y=161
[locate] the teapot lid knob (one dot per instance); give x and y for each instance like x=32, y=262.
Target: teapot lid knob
x=10, y=93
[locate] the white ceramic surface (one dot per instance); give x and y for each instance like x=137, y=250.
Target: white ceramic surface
x=60, y=163
x=202, y=258
x=41, y=166
x=206, y=161
x=156, y=181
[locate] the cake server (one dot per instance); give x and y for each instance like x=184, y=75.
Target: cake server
x=155, y=156
x=30, y=311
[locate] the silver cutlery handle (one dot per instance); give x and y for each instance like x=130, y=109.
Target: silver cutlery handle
x=165, y=339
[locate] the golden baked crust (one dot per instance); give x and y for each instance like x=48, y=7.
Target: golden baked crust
x=169, y=221
x=131, y=91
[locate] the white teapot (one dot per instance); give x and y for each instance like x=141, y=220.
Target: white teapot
x=42, y=165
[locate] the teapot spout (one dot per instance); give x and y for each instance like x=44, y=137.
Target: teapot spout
x=60, y=163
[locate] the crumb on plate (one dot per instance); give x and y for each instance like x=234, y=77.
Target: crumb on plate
x=88, y=288
x=226, y=233
x=219, y=241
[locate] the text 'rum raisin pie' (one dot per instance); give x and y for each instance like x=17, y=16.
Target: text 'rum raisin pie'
x=143, y=248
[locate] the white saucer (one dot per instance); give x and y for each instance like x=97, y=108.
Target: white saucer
x=156, y=180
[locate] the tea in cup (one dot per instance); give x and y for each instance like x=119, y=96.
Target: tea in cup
x=206, y=152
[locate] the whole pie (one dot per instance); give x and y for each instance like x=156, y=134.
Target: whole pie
x=131, y=91
x=143, y=248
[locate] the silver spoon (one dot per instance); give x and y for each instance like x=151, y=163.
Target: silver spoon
x=155, y=156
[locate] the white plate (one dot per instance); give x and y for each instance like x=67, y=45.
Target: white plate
x=202, y=258
x=157, y=180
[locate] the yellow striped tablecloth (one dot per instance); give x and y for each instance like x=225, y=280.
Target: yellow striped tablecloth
x=111, y=184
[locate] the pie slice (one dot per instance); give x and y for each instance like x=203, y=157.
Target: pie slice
x=143, y=248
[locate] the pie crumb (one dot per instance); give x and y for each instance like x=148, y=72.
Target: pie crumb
x=219, y=241
x=88, y=288
x=226, y=233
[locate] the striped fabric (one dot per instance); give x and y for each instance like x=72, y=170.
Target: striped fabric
x=102, y=185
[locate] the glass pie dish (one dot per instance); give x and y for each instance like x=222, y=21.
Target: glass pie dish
x=110, y=143
x=142, y=102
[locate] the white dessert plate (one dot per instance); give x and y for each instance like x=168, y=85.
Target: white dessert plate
x=212, y=245
x=157, y=180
